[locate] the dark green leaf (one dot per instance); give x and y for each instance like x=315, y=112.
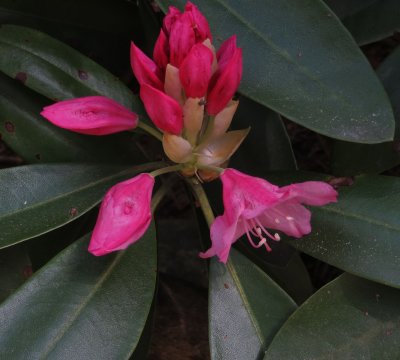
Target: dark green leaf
x=267, y=144
x=350, y=318
x=374, y=22
x=301, y=62
x=35, y=199
x=91, y=307
x=55, y=70
x=246, y=309
x=15, y=268
x=106, y=16
x=37, y=140
x=352, y=159
x=343, y=8
x=359, y=233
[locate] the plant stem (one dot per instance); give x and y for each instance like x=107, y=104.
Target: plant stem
x=203, y=200
x=212, y=168
x=166, y=170
x=149, y=129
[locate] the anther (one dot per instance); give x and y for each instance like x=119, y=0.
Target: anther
x=277, y=221
x=277, y=237
x=262, y=242
x=289, y=218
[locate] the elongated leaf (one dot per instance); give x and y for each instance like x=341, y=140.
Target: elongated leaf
x=374, y=22
x=246, y=309
x=35, y=199
x=319, y=79
x=37, y=140
x=103, y=16
x=91, y=307
x=55, y=70
x=360, y=233
x=350, y=318
x=351, y=159
x=267, y=143
x=343, y=8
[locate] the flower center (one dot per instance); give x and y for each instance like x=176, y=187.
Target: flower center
x=255, y=229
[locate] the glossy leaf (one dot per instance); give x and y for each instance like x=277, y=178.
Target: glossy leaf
x=374, y=22
x=359, y=233
x=37, y=140
x=91, y=307
x=246, y=309
x=312, y=72
x=351, y=159
x=55, y=70
x=343, y=8
x=350, y=318
x=35, y=199
x=267, y=143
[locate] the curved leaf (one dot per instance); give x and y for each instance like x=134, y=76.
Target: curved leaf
x=301, y=62
x=350, y=318
x=35, y=199
x=37, y=140
x=246, y=309
x=360, y=233
x=55, y=70
x=343, y=8
x=351, y=159
x=91, y=307
x=374, y=22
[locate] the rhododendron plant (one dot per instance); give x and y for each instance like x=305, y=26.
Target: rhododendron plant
x=187, y=92
x=225, y=147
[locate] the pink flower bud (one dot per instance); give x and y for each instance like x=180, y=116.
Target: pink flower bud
x=195, y=71
x=226, y=52
x=170, y=18
x=144, y=68
x=161, y=51
x=181, y=39
x=124, y=215
x=224, y=84
x=199, y=23
x=253, y=205
x=93, y=115
x=164, y=111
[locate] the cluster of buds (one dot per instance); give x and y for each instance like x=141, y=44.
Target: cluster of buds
x=188, y=93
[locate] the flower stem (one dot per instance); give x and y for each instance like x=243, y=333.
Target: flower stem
x=149, y=129
x=166, y=170
x=203, y=200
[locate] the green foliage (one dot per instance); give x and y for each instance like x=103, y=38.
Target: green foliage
x=302, y=63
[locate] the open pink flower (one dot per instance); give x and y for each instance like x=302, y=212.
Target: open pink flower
x=253, y=205
x=124, y=215
x=93, y=115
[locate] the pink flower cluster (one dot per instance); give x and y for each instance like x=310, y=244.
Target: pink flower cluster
x=186, y=66
x=187, y=92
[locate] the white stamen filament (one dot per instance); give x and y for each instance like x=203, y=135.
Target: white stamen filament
x=253, y=227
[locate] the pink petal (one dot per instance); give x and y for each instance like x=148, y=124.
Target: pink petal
x=195, y=71
x=290, y=217
x=161, y=51
x=199, y=22
x=226, y=51
x=222, y=236
x=224, y=84
x=93, y=115
x=316, y=193
x=169, y=19
x=144, y=68
x=181, y=40
x=124, y=215
x=164, y=111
